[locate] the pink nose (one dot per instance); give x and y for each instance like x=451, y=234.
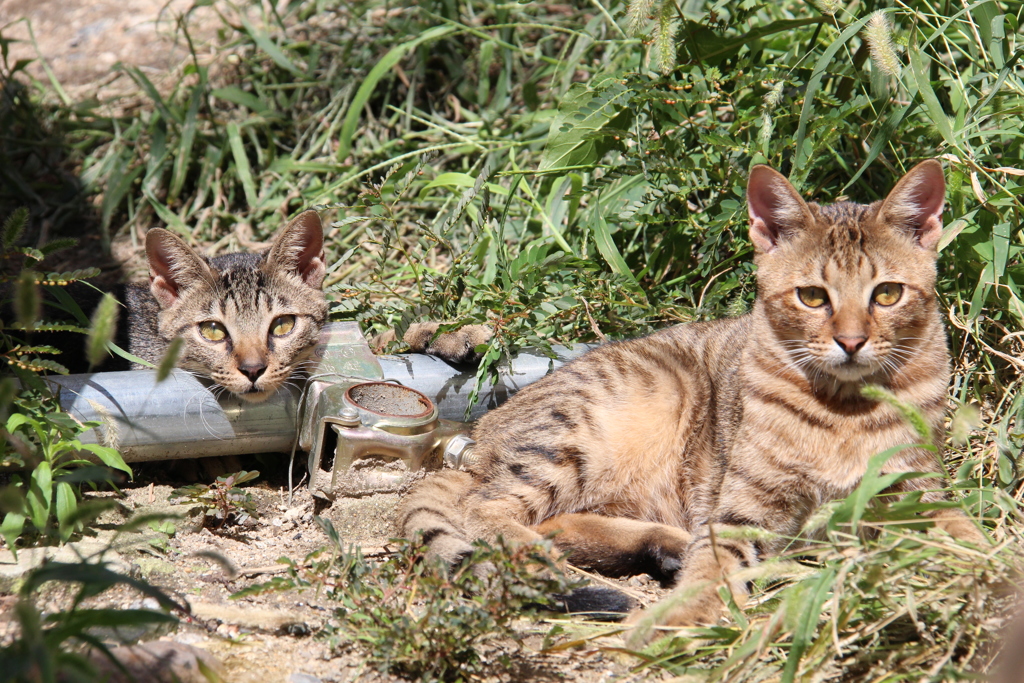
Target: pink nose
x=850, y=344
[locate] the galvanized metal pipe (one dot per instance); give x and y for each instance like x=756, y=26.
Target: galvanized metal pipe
x=185, y=417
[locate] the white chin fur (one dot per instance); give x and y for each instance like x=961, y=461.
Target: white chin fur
x=849, y=372
x=258, y=397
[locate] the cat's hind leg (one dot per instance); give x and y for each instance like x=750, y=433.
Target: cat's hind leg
x=617, y=546
x=448, y=511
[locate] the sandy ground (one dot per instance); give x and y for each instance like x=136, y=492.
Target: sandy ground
x=275, y=636
x=83, y=41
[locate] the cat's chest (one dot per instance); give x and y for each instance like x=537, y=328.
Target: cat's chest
x=813, y=448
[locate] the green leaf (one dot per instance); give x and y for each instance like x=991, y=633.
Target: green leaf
x=13, y=525
x=117, y=350
x=581, y=115
x=814, y=82
x=40, y=495
x=67, y=504
x=108, y=456
x=852, y=508
x=606, y=245
x=101, y=331
x=119, y=183
x=170, y=218
x=161, y=106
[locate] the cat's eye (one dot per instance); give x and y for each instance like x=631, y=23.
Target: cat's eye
x=213, y=330
x=282, y=325
x=887, y=293
x=815, y=297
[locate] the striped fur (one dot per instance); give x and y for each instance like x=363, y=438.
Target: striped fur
x=242, y=292
x=639, y=450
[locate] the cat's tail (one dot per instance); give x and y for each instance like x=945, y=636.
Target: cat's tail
x=433, y=512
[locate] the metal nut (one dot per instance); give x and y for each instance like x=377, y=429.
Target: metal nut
x=349, y=417
x=458, y=452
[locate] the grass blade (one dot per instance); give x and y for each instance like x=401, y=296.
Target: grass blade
x=267, y=45
x=242, y=164
x=814, y=82
x=184, y=155
x=384, y=66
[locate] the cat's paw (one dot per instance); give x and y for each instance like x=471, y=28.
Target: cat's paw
x=457, y=346
x=696, y=604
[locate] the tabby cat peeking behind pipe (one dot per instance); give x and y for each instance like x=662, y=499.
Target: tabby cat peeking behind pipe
x=649, y=455
x=250, y=320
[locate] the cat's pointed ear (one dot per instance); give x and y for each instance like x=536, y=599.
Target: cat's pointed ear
x=300, y=248
x=173, y=266
x=915, y=204
x=776, y=209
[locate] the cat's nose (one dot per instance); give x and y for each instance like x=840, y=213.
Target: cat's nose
x=850, y=344
x=252, y=370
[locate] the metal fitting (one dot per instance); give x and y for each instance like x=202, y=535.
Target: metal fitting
x=459, y=451
x=372, y=437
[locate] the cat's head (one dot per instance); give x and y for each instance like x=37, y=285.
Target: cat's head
x=848, y=289
x=247, y=320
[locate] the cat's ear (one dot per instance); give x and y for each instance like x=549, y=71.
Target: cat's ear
x=173, y=266
x=776, y=209
x=915, y=204
x=300, y=249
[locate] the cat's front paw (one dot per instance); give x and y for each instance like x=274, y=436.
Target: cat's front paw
x=457, y=346
x=695, y=604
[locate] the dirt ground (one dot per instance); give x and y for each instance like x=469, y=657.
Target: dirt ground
x=83, y=40
x=273, y=636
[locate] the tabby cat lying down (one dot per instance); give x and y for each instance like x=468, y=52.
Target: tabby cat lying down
x=636, y=452
x=250, y=320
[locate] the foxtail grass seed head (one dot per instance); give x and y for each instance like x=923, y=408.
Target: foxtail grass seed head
x=878, y=33
x=829, y=7
x=638, y=12
x=771, y=100
x=101, y=331
x=773, y=96
x=767, y=125
x=665, y=38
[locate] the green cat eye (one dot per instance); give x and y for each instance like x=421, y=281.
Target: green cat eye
x=815, y=297
x=887, y=293
x=282, y=325
x=212, y=330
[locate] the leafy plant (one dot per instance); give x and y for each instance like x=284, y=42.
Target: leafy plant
x=38, y=436
x=415, y=618
x=854, y=606
x=52, y=647
x=223, y=500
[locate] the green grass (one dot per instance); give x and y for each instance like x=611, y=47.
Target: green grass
x=573, y=172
